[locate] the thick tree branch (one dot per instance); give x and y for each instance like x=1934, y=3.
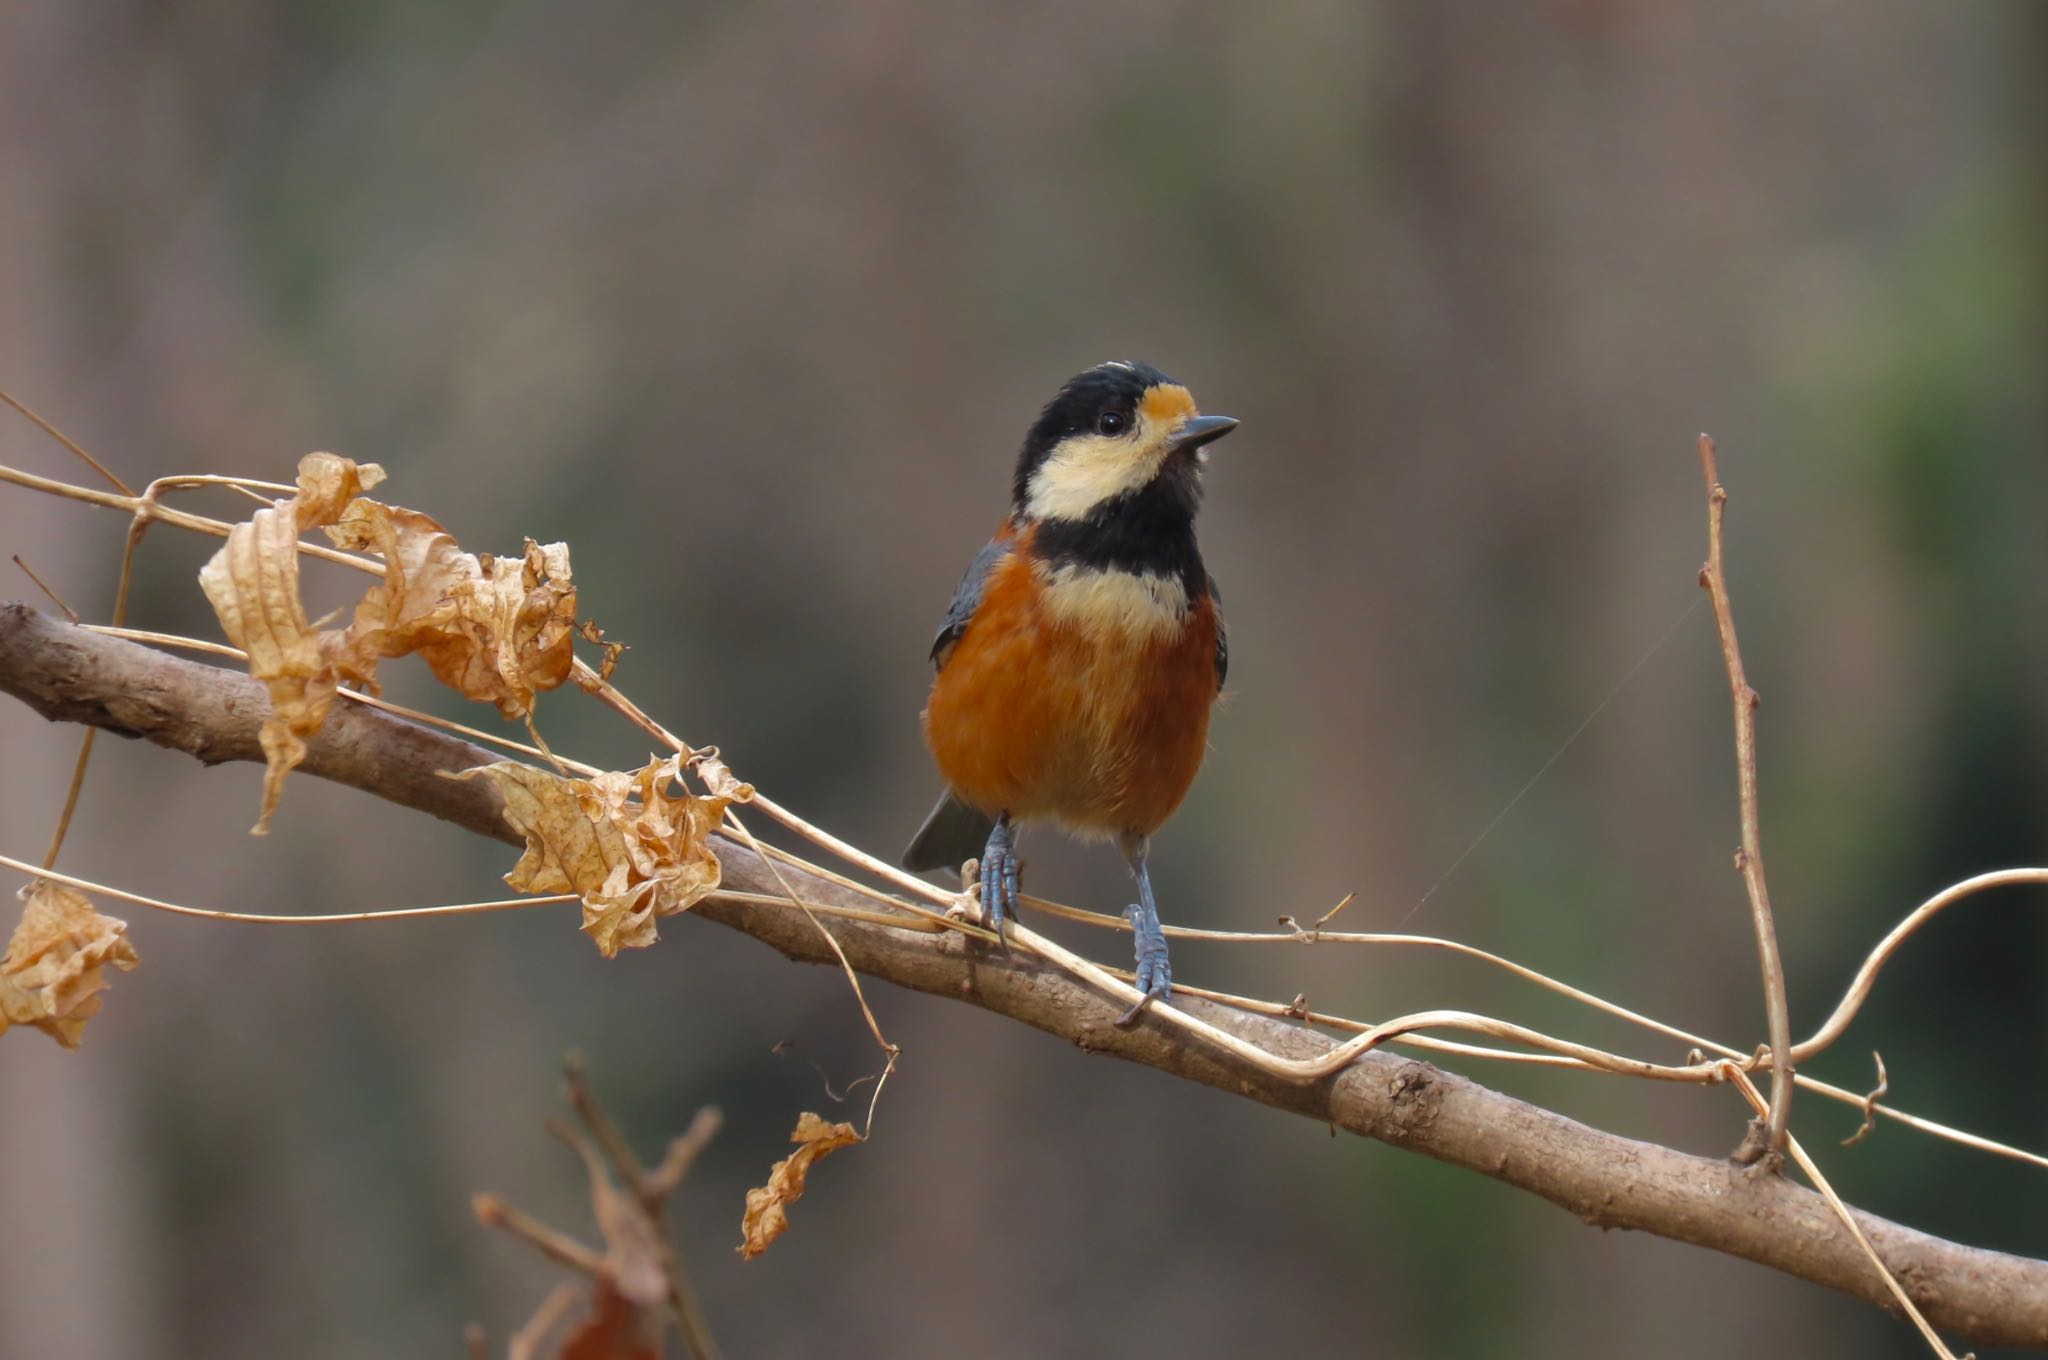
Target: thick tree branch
x=67, y=673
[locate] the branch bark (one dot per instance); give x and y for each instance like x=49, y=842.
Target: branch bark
x=69, y=674
x=1749, y=859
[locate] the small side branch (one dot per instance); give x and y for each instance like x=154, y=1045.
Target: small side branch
x=639, y=1288
x=1749, y=860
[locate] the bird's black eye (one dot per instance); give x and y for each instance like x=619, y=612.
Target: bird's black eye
x=1112, y=423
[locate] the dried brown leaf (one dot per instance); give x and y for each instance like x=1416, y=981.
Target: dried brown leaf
x=253, y=584
x=422, y=562
x=632, y=849
x=717, y=777
x=514, y=630
x=767, y=1215
x=590, y=632
x=51, y=975
x=495, y=629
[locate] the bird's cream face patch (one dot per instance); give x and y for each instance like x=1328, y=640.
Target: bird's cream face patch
x=1087, y=469
x=1110, y=606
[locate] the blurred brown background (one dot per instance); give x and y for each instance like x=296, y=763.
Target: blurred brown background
x=751, y=303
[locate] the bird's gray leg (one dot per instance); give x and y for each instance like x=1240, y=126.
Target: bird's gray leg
x=1155, y=976
x=999, y=877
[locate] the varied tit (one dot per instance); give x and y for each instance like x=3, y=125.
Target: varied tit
x=1083, y=648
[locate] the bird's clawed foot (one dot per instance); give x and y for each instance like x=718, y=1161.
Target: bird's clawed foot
x=1155, y=974
x=999, y=879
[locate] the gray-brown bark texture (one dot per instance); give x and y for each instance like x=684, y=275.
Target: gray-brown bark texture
x=69, y=674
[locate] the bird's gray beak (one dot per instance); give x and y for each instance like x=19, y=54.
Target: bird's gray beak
x=1200, y=431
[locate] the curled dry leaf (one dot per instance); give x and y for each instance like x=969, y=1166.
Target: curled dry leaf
x=718, y=777
x=421, y=561
x=495, y=629
x=623, y=841
x=253, y=585
x=591, y=633
x=516, y=629
x=767, y=1213
x=51, y=974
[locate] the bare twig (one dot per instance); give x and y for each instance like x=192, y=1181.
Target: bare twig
x=84, y=758
x=1749, y=860
x=66, y=440
x=1735, y=1074
x=852, y=978
x=66, y=610
x=1866, y=976
x=494, y=1212
x=651, y=1191
x=335, y=918
x=1329, y=915
x=71, y=792
x=1858, y=993
x=258, y=919
x=527, y=1341
x=608, y=694
x=1991, y=1297
x=200, y=524
x=1884, y=1083
x=632, y=1242
x=616, y=1148
x=639, y=1274
x=683, y=1151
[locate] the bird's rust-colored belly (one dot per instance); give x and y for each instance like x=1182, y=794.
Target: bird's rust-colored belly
x=1049, y=714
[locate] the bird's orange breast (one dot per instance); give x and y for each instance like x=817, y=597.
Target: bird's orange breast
x=1080, y=698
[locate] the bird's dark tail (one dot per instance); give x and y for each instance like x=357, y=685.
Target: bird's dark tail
x=952, y=835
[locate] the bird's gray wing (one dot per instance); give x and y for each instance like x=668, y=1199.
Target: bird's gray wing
x=967, y=598
x=1222, y=635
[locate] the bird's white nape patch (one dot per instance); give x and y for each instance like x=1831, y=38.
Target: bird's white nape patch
x=1110, y=605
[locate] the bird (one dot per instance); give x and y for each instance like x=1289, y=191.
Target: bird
x=1075, y=667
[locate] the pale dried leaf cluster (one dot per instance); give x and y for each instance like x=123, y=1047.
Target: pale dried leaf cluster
x=633, y=844
x=495, y=629
x=253, y=584
x=767, y=1215
x=53, y=972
